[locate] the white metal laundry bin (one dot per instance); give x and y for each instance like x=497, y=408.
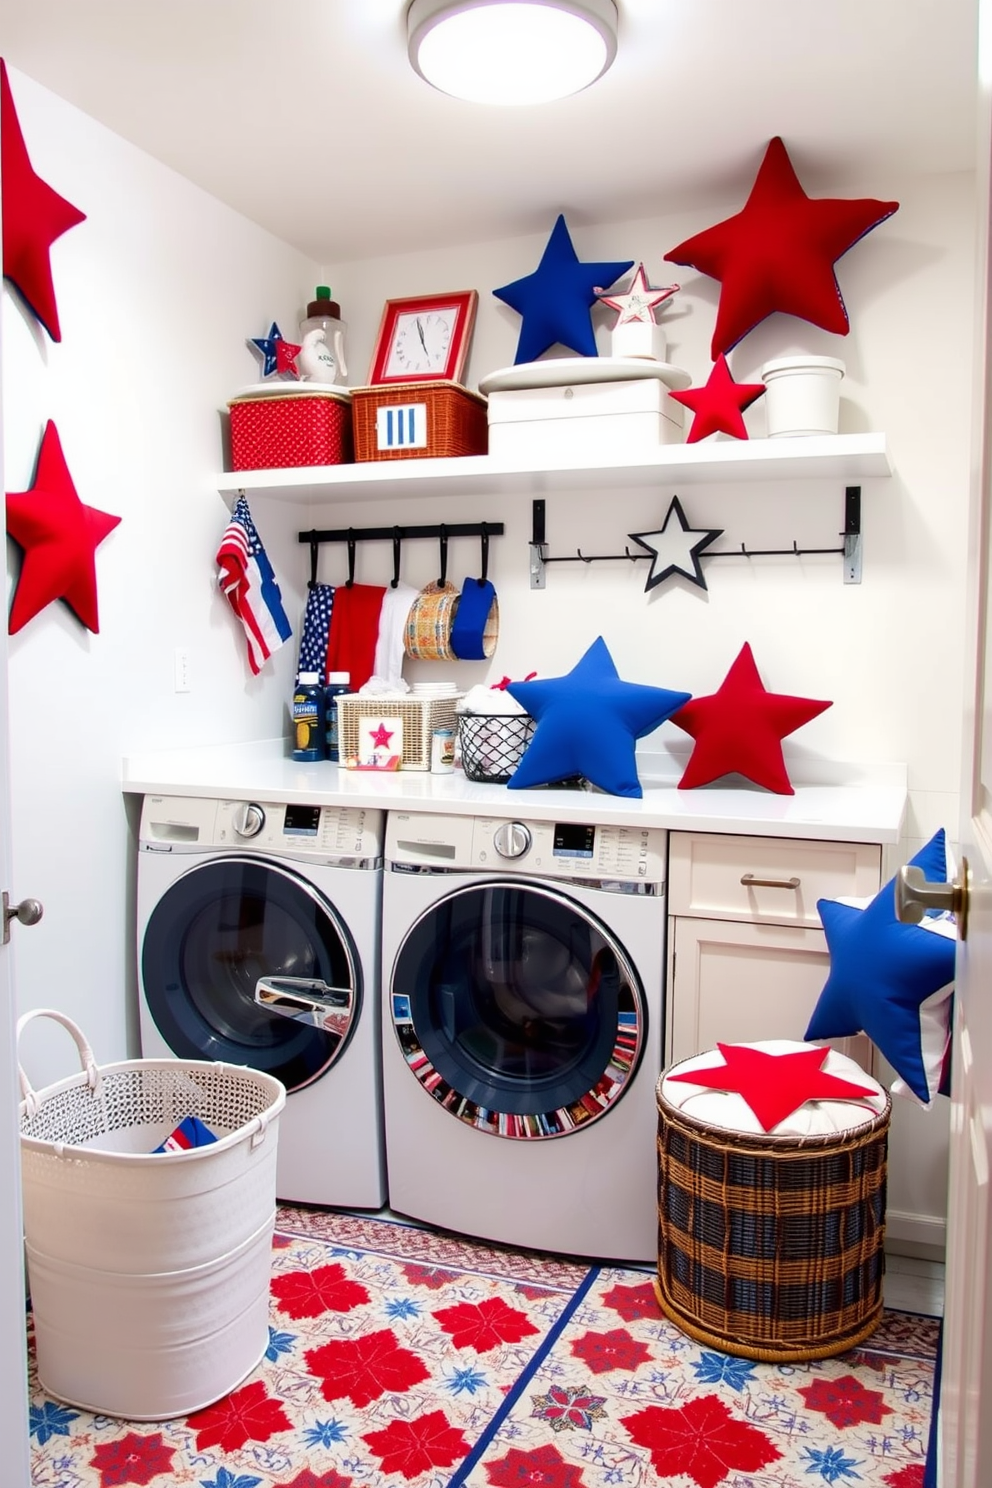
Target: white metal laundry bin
x=149, y=1272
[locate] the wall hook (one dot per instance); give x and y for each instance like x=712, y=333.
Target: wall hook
x=394, y=582
x=314, y=550
x=352, y=548
x=484, y=574
x=443, y=545
x=579, y=554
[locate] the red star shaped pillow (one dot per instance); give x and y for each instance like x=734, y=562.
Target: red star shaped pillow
x=33, y=217
x=59, y=536
x=777, y=1078
x=718, y=407
x=779, y=251
x=739, y=729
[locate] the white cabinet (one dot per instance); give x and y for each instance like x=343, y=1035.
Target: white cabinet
x=747, y=960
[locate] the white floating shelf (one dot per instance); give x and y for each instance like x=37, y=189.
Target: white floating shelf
x=847, y=457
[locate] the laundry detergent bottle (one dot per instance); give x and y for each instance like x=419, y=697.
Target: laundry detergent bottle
x=309, y=741
x=338, y=683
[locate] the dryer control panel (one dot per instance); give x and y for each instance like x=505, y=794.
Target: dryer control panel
x=338, y=834
x=577, y=850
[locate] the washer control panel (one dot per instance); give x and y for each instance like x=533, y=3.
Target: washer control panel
x=325, y=833
x=577, y=850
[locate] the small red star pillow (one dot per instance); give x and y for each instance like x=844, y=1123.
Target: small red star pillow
x=717, y=408
x=59, y=536
x=774, y=1085
x=33, y=217
x=778, y=253
x=739, y=729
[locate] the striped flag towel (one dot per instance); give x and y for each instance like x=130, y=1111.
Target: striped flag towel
x=247, y=579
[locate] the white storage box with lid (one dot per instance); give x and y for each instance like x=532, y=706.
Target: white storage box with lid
x=149, y=1271
x=591, y=416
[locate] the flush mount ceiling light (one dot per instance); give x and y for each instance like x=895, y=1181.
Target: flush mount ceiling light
x=511, y=51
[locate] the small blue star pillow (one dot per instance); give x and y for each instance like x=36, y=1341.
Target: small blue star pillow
x=892, y=981
x=587, y=723
x=555, y=301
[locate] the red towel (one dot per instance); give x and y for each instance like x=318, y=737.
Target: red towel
x=354, y=631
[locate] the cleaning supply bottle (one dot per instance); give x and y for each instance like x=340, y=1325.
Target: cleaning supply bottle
x=321, y=356
x=337, y=684
x=308, y=719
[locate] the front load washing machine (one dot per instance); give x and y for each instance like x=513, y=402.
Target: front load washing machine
x=258, y=944
x=523, y=982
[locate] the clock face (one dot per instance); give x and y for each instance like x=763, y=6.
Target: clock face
x=421, y=342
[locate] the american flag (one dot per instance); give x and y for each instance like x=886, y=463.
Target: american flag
x=247, y=579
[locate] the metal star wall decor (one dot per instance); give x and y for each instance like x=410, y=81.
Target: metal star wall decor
x=673, y=550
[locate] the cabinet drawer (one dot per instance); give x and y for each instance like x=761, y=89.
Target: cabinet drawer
x=772, y=880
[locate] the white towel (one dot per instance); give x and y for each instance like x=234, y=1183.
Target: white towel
x=389, y=653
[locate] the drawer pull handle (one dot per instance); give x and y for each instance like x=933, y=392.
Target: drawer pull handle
x=750, y=882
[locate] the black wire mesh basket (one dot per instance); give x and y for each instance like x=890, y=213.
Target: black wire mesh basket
x=492, y=744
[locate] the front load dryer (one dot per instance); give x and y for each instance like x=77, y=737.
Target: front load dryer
x=258, y=944
x=523, y=977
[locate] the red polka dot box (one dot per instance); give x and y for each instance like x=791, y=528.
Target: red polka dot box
x=279, y=425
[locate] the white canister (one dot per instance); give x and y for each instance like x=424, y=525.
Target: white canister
x=639, y=338
x=802, y=395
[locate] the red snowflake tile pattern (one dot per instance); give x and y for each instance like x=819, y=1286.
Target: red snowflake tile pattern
x=633, y=1302
x=364, y=1368
x=414, y=1447
x=132, y=1459
x=700, y=1439
x=910, y=1476
x=435, y=1277
x=308, y=1479
x=614, y=1350
x=545, y=1467
x=248, y=1414
x=846, y=1401
x=303, y=1294
x=484, y=1325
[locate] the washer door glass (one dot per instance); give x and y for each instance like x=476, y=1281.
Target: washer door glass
x=518, y=1010
x=244, y=961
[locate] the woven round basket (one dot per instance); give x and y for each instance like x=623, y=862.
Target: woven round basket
x=428, y=625
x=771, y=1247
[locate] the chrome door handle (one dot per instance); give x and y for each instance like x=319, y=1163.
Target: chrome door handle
x=308, y=1000
x=28, y=912
x=915, y=895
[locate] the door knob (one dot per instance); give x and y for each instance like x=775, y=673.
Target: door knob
x=915, y=895
x=28, y=912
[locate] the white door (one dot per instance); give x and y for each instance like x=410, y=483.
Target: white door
x=966, y=1395
x=13, y=1363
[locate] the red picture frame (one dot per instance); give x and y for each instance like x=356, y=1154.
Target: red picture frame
x=424, y=338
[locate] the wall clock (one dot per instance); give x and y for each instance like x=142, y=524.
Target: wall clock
x=424, y=337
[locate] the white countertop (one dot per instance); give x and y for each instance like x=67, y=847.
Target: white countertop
x=832, y=802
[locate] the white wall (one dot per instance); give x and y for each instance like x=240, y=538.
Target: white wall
x=156, y=291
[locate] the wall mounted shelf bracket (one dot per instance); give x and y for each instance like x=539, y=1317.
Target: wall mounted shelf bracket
x=851, y=551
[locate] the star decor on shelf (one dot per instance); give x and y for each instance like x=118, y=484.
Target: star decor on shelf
x=59, y=537
x=278, y=354
x=717, y=408
x=884, y=974
x=587, y=722
x=778, y=252
x=381, y=736
x=673, y=550
x=640, y=301
x=774, y=1085
x=739, y=728
x=555, y=301
x=34, y=216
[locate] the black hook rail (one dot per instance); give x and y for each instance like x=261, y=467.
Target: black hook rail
x=397, y=535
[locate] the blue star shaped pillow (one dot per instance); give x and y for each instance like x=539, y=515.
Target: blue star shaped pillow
x=890, y=980
x=587, y=723
x=555, y=301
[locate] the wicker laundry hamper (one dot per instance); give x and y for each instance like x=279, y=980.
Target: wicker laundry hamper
x=770, y=1245
x=149, y=1271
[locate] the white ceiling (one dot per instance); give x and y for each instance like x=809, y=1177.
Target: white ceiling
x=306, y=116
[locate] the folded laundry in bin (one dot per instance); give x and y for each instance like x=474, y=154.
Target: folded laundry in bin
x=190, y=1132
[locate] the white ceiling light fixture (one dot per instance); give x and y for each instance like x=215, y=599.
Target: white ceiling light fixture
x=511, y=51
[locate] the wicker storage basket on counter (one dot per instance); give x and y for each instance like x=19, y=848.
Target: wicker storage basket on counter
x=771, y=1246
x=418, y=716
x=418, y=420
x=281, y=426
